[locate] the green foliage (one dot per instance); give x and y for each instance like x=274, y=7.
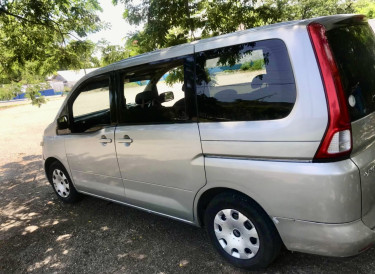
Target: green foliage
x=32, y=92
x=286, y=10
x=253, y=65
x=43, y=36
x=175, y=75
x=9, y=91
x=66, y=90
x=169, y=23
x=33, y=84
x=111, y=54
x=365, y=7
x=45, y=32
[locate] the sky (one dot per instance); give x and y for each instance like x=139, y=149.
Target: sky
x=118, y=28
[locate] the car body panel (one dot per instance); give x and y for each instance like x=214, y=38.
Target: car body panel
x=363, y=156
x=261, y=150
x=338, y=240
x=298, y=135
x=163, y=167
x=93, y=165
x=54, y=147
x=317, y=192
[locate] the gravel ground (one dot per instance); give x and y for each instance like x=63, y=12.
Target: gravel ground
x=40, y=234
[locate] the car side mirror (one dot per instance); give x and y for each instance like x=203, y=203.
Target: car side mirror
x=62, y=122
x=166, y=96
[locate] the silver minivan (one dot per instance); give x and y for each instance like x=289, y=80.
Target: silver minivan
x=266, y=137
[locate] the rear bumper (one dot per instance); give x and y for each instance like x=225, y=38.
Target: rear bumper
x=336, y=240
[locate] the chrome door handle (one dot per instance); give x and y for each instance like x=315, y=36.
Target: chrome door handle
x=104, y=140
x=126, y=140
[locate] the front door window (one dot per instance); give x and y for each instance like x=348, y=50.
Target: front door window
x=91, y=108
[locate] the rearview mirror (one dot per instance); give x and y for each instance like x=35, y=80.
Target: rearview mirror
x=166, y=96
x=62, y=122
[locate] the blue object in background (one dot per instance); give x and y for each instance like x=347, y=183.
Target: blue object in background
x=143, y=83
x=220, y=69
x=19, y=96
x=47, y=92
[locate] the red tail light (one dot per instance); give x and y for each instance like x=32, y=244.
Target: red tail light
x=337, y=141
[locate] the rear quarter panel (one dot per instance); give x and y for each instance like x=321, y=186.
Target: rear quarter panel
x=299, y=134
x=271, y=161
x=363, y=156
x=315, y=192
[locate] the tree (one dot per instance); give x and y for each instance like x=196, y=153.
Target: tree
x=38, y=37
x=365, y=7
x=7, y=92
x=169, y=23
x=303, y=9
x=110, y=53
x=45, y=32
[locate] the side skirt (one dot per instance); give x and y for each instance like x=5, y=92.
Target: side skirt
x=140, y=208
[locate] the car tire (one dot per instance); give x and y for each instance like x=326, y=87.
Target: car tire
x=62, y=184
x=241, y=231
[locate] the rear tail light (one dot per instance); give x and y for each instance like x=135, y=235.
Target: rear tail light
x=341, y=141
x=337, y=140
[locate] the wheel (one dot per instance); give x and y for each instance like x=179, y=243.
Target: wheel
x=241, y=231
x=62, y=184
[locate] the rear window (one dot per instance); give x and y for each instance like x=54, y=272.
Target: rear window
x=246, y=82
x=353, y=47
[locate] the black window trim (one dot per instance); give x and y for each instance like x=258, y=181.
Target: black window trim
x=68, y=108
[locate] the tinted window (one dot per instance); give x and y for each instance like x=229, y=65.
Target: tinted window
x=247, y=82
x=155, y=94
x=353, y=48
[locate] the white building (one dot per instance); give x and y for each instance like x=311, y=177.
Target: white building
x=67, y=78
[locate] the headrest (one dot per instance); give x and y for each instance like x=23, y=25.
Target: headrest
x=258, y=81
x=144, y=97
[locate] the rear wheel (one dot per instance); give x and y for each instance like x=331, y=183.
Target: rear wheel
x=241, y=231
x=62, y=184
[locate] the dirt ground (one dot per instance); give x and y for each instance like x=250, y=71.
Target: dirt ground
x=40, y=234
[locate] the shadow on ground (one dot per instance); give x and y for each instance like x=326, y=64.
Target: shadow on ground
x=38, y=233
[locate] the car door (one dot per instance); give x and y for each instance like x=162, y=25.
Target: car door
x=157, y=142
x=90, y=146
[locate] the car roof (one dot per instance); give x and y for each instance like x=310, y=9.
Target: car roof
x=188, y=48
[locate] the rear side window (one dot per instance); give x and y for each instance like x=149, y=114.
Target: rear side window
x=247, y=82
x=353, y=47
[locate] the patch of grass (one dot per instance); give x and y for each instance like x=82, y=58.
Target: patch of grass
x=253, y=65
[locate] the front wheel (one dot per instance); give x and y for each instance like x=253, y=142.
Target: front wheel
x=62, y=184
x=241, y=231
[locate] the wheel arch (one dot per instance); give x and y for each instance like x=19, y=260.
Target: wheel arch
x=206, y=197
x=50, y=160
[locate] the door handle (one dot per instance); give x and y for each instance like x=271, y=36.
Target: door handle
x=104, y=140
x=126, y=140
